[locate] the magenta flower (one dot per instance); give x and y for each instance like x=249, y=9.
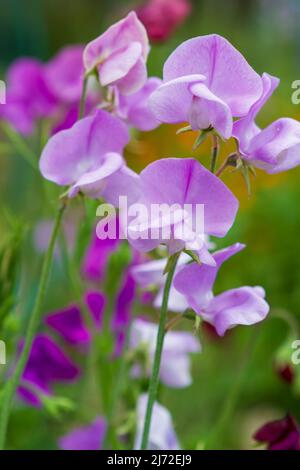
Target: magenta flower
x=119, y=55
x=88, y=437
x=242, y=306
x=275, y=148
x=135, y=110
x=282, y=434
x=69, y=322
x=207, y=82
x=97, y=256
x=161, y=17
x=46, y=366
x=64, y=74
x=28, y=96
x=122, y=311
x=162, y=434
x=178, y=182
x=175, y=365
x=87, y=155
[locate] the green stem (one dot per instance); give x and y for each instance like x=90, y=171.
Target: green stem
x=13, y=381
x=20, y=146
x=215, y=152
x=234, y=393
x=83, y=97
x=154, y=380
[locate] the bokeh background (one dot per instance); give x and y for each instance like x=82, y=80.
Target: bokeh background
x=267, y=33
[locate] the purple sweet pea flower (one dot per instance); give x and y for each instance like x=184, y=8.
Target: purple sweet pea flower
x=242, y=306
x=178, y=182
x=123, y=308
x=88, y=157
x=28, y=96
x=47, y=365
x=69, y=322
x=162, y=435
x=64, y=74
x=207, y=82
x=135, y=110
x=119, y=55
x=96, y=257
x=275, y=148
x=175, y=364
x=282, y=434
x=88, y=437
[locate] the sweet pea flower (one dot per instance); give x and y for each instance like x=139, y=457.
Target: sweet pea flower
x=135, y=110
x=175, y=364
x=119, y=55
x=97, y=256
x=64, y=74
x=28, y=96
x=88, y=157
x=151, y=274
x=206, y=82
x=275, y=148
x=282, y=434
x=88, y=437
x=162, y=435
x=241, y=306
x=47, y=365
x=69, y=322
x=178, y=182
x=161, y=17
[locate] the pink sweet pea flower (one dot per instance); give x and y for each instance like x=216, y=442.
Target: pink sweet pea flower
x=275, y=148
x=119, y=55
x=162, y=434
x=88, y=157
x=207, y=82
x=46, y=366
x=64, y=74
x=88, y=437
x=241, y=306
x=28, y=96
x=176, y=182
x=135, y=110
x=151, y=274
x=175, y=364
x=161, y=17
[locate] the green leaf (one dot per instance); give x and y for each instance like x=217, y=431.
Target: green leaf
x=193, y=255
x=183, y=130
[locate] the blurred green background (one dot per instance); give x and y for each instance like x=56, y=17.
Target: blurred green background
x=267, y=33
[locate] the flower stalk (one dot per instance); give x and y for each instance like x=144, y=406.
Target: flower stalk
x=154, y=380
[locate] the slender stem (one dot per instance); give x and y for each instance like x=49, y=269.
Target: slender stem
x=83, y=97
x=233, y=395
x=215, y=152
x=222, y=167
x=20, y=145
x=154, y=380
x=13, y=381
